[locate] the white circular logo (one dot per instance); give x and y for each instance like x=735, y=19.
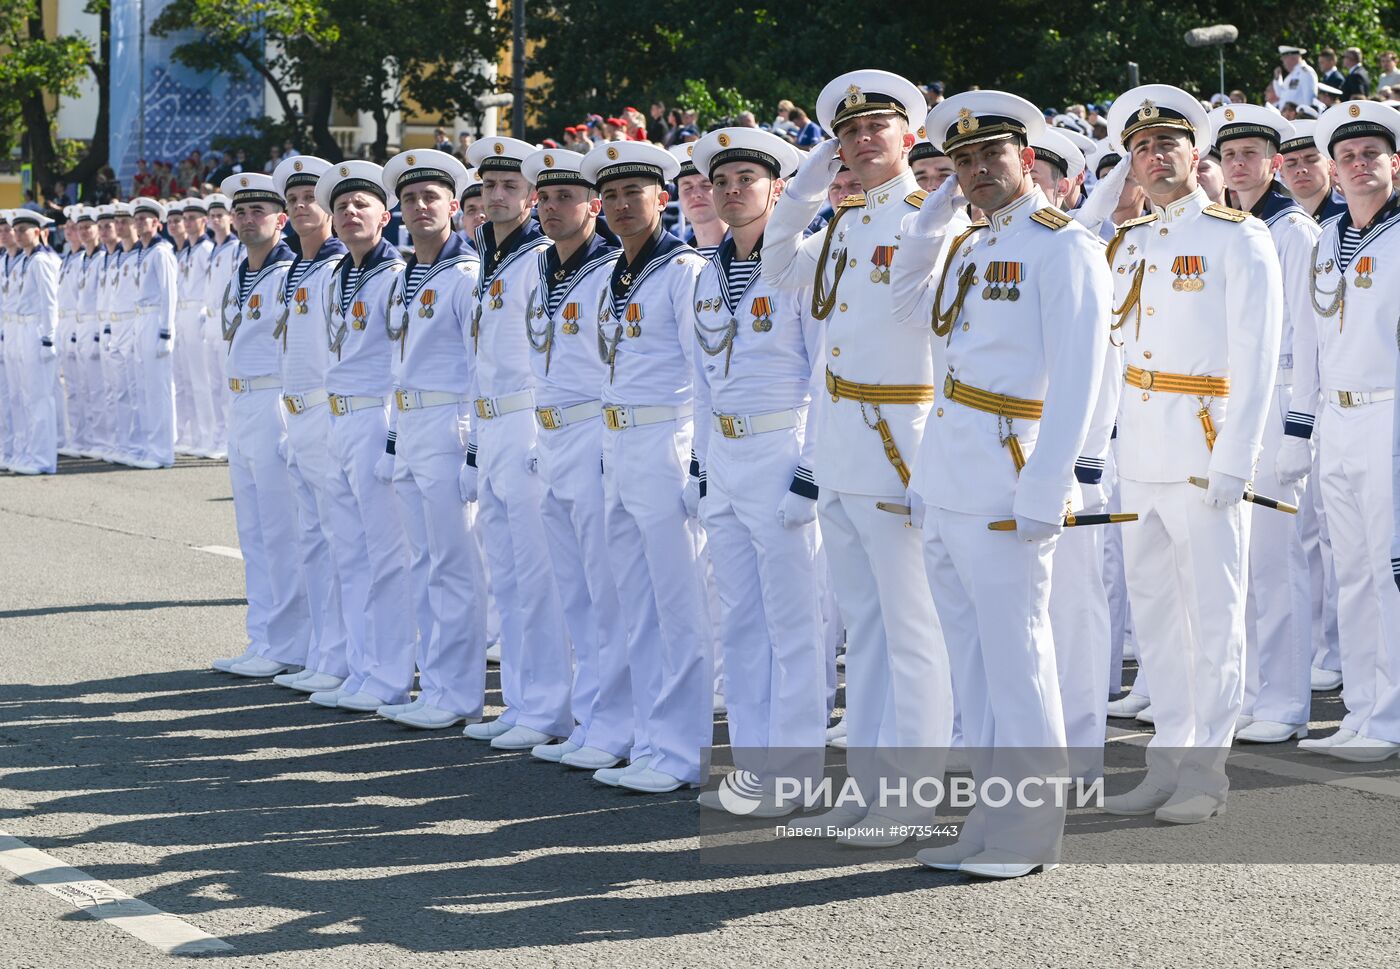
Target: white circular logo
x=741, y=792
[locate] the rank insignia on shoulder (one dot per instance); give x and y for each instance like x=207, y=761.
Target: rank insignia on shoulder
x=851, y=202
x=1217, y=211
x=1051, y=217
x=1140, y=220
x=916, y=198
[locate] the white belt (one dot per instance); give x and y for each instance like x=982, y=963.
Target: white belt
x=24, y=317
x=342, y=404
x=250, y=384
x=416, y=399
x=1355, y=398
x=553, y=418
x=489, y=407
x=617, y=417
x=739, y=425
x=185, y=304
x=301, y=403
x=122, y=315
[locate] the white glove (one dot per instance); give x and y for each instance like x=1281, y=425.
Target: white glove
x=691, y=496
x=466, y=482
x=532, y=460
x=915, y=501
x=1294, y=459
x=95, y=348
x=1035, y=530
x=1094, y=496
x=796, y=510
x=384, y=468
x=163, y=342
x=818, y=169
x=47, y=353
x=1104, y=198
x=939, y=208
x=1224, y=490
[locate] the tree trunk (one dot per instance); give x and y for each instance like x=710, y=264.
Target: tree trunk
x=380, y=150
x=318, y=99
x=84, y=173
x=38, y=129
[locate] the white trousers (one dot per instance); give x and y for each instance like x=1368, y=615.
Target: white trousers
x=570, y=469
x=769, y=624
x=371, y=557
x=1119, y=618
x=452, y=648
x=92, y=392
x=1187, y=577
x=309, y=459
x=212, y=397
x=265, y=510
x=155, y=393
x=188, y=369
x=1079, y=620
x=655, y=557
x=1357, y=483
x=113, y=417
x=1322, y=576
x=1278, y=608
x=36, y=405
x=536, y=676
x=7, y=428
x=126, y=428
x=70, y=412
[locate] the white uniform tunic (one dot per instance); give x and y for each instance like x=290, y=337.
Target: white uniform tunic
x=647, y=400
x=1210, y=306
x=211, y=406
x=33, y=330
x=279, y=625
x=70, y=415
x=123, y=319
x=1299, y=87
x=535, y=673
x=155, y=331
x=108, y=269
x=568, y=378
x=188, y=356
x=755, y=360
x=88, y=330
x=7, y=428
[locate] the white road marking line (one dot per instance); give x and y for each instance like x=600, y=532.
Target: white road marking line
x=224, y=550
x=166, y=932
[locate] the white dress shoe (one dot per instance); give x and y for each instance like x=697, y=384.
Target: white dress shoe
x=1242, y=721
x=360, y=702
x=520, y=737
x=68, y=452
x=837, y=729
x=745, y=807
x=145, y=464
x=1127, y=707
x=947, y=857
x=878, y=831
x=390, y=711
x=589, y=758
x=259, y=666
x=1271, y=732
x=1364, y=750
x=425, y=716
x=1186, y=807
x=996, y=864
x=719, y=706
x=1325, y=680
x=24, y=469
x=1323, y=743
x=553, y=753
x=487, y=730
x=818, y=824
x=649, y=781
x=327, y=698
x=612, y=775
x=1145, y=715
x=225, y=663
x=289, y=679
x=1146, y=798
x=318, y=683
x=493, y=654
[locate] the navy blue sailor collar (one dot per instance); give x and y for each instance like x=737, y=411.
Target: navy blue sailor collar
x=492, y=255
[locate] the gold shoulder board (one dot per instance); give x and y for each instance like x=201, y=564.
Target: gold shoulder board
x=1217, y=211
x=851, y=202
x=1140, y=220
x=1051, y=217
x=1122, y=232
x=916, y=198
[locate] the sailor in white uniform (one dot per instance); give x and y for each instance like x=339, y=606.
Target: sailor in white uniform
x=87, y=332
x=211, y=406
x=155, y=333
x=187, y=357
x=70, y=266
x=31, y=340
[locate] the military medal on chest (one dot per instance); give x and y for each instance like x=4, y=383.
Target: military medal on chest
x=497, y=293
x=358, y=313
x=762, y=310
x=1365, y=266
x=1188, y=271
x=634, y=320
x=1003, y=280
x=882, y=257
x=426, y=299
x=570, y=315
x=255, y=306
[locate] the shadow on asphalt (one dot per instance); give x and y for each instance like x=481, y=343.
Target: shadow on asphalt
x=120, y=607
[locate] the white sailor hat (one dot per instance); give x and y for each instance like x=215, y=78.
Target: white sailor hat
x=217, y=201
x=859, y=93
x=727, y=145
x=629, y=159
x=353, y=176
x=923, y=148
x=1336, y=92
x=251, y=187
x=977, y=116
x=1308, y=112
x=1289, y=49
x=1231, y=121
x=425, y=165
x=108, y=211
x=1302, y=137
x=472, y=181
x=84, y=213
x=20, y=217
x=1057, y=149
x=1356, y=119
x=174, y=207
x=196, y=204
x=1158, y=106
x=498, y=154
x=153, y=206
x=297, y=170
x=685, y=154
x=121, y=210
x=554, y=166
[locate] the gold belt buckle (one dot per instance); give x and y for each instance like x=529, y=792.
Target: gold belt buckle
x=727, y=426
x=235, y=385
x=550, y=418
x=1148, y=377
x=337, y=403
x=612, y=417
x=295, y=404
x=401, y=400
x=485, y=408
x=1346, y=398
x=948, y=385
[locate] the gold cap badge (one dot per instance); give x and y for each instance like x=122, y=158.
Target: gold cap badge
x=966, y=122
x=612, y=154
x=1354, y=111
x=499, y=148
x=297, y=166
x=723, y=142
x=410, y=159
x=854, y=96
x=1148, y=110
x=243, y=182
x=548, y=161
x=1229, y=114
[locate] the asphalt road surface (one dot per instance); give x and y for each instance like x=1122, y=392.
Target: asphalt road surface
x=273, y=833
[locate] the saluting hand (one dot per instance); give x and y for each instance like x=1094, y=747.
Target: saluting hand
x=818, y=169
